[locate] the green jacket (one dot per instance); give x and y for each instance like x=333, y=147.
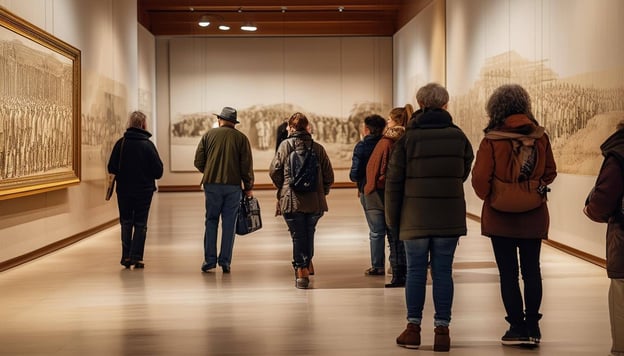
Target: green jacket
x=224, y=156
x=424, y=181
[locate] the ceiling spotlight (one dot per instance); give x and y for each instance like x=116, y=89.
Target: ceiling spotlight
x=340, y=8
x=204, y=21
x=284, y=8
x=249, y=27
x=224, y=27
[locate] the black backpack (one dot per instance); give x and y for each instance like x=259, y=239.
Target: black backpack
x=303, y=168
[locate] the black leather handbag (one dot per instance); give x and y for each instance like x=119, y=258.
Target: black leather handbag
x=249, y=219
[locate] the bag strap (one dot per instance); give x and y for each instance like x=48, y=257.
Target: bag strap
x=123, y=140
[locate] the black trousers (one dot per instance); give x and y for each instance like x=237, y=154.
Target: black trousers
x=507, y=251
x=133, y=214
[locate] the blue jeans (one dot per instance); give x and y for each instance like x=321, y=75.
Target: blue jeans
x=506, y=251
x=440, y=251
x=222, y=201
x=376, y=219
x=302, y=227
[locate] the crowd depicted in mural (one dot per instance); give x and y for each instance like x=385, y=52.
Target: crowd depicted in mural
x=103, y=123
x=36, y=120
x=563, y=106
x=260, y=124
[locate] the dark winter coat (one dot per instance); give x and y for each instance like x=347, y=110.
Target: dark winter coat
x=604, y=204
x=301, y=202
x=135, y=163
x=361, y=154
x=493, y=158
x=424, y=192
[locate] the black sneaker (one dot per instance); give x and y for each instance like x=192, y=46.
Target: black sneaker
x=516, y=335
x=534, y=333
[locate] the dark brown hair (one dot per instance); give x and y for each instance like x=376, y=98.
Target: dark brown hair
x=298, y=122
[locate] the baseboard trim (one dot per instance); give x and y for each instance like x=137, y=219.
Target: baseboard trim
x=263, y=186
x=562, y=247
x=14, y=262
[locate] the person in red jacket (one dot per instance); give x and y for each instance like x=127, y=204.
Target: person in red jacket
x=604, y=205
x=515, y=233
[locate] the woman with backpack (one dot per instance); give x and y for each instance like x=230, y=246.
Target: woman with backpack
x=303, y=174
x=515, y=153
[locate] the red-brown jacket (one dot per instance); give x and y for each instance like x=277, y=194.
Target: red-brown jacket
x=604, y=204
x=378, y=161
x=493, y=158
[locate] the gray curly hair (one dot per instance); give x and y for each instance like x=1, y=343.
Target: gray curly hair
x=507, y=100
x=432, y=96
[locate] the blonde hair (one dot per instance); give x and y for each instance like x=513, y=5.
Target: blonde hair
x=401, y=115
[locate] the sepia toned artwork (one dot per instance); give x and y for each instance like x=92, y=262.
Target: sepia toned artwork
x=337, y=135
x=39, y=110
x=576, y=82
x=335, y=82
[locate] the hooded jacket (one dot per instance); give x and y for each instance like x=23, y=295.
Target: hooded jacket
x=301, y=202
x=135, y=163
x=424, y=192
x=604, y=204
x=494, y=158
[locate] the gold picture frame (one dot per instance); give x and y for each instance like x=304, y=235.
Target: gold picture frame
x=39, y=110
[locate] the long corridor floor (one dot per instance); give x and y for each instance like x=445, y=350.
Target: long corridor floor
x=80, y=301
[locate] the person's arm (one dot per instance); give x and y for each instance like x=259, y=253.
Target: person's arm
x=200, y=155
x=395, y=184
x=606, y=196
x=483, y=169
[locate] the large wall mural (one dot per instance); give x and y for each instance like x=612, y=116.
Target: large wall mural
x=336, y=82
x=39, y=109
x=577, y=86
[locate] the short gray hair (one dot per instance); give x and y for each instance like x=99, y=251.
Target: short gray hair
x=432, y=96
x=137, y=119
x=507, y=100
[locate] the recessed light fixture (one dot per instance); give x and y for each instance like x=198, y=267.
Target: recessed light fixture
x=249, y=27
x=204, y=21
x=224, y=27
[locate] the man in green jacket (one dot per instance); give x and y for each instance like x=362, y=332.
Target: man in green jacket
x=224, y=157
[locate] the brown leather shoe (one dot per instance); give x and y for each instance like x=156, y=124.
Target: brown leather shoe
x=302, y=279
x=410, y=337
x=442, y=340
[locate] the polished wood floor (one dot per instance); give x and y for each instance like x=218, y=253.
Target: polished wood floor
x=80, y=301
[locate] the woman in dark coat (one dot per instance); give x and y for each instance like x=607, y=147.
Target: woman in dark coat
x=509, y=109
x=136, y=165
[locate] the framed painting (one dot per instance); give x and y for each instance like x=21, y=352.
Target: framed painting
x=39, y=110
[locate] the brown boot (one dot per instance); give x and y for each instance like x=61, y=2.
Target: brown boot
x=442, y=340
x=410, y=337
x=302, y=278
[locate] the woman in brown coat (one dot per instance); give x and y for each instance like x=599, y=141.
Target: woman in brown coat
x=301, y=210
x=512, y=233
x=376, y=183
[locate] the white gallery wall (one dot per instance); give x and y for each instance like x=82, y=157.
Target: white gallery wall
x=105, y=31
